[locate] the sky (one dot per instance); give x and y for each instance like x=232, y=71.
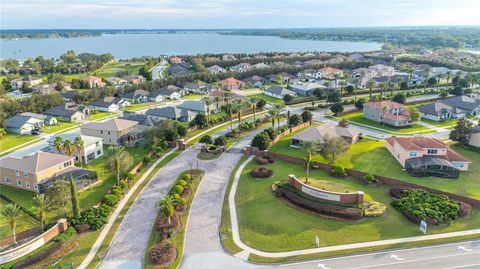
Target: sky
x=205, y=14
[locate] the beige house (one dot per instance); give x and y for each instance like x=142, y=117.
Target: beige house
x=317, y=133
x=406, y=148
x=28, y=81
x=114, y=132
x=93, y=82
x=31, y=171
x=475, y=137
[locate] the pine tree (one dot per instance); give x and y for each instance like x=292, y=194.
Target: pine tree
x=74, y=197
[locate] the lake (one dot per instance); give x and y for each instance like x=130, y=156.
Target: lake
x=154, y=44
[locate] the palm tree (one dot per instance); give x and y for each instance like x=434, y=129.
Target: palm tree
x=3, y=133
x=370, y=84
x=167, y=206
x=208, y=102
x=383, y=87
x=254, y=101
x=11, y=212
x=117, y=159
x=396, y=84
x=410, y=72
x=384, y=111
x=310, y=147
x=472, y=78
x=41, y=203
x=217, y=102
x=426, y=75
x=449, y=76
x=328, y=83
x=58, y=144
x=274, y=113
x=356, y=81
x=68, y=147
x=78, y=145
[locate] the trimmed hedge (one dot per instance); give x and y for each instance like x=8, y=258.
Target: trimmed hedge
x=261, y=172
x=110, y=200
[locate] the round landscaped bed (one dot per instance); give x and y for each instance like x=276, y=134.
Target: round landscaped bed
x=261, y=172
x=163, y=254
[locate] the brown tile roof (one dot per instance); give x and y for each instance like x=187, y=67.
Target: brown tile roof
x=231, y=82
x=36, y=162
x=417, y=142
x=382, y=104
x=111, y=125
x=91, y=78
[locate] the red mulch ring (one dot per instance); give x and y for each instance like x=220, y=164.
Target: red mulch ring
x=163, y=254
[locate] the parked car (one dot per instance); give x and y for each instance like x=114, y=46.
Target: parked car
x=36, y=131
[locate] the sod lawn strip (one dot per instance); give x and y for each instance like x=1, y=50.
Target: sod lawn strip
x=371, y=156
x=112, y=69
x=442, y=124
x=268, y=99
x=269, y=224
x=62, y=125
x=357, y=117
x=24, y=222
x=13, y=140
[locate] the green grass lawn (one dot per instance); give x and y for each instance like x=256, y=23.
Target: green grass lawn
x=357, y=117
x=268, y=99
x=24, y=222
x=111, y=69
x=62, y=125
x=445, y=123
x=138, y=106
x=12, y=140
x=269, y=224
x=371, y=156
x=194, y=96
x=98, y=115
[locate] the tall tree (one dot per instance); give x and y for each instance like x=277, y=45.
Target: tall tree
x=118, y=159
x=253, y=102
x=59, y=144
x=426, y=76
x=274, y=113
x=370, y=84
x=41, y=203
x=74, y=197
x=461, y=132
x=3, y=133
x=68, y=147
x=310, y=147
x=11, y=212
x=332, y=147
x=78, y=145
x=59, y=195
x=167, y=206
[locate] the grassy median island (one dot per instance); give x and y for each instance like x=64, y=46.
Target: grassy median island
x=270, y=225
x=371, y=156
x=357, y=117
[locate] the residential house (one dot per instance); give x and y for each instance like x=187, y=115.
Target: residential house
x=196, y=87
x=179, y=69
x=241, y=67
x=171, y=92
x=424, y=156
x=387, y=112
x=231, y=84
x=29, y=82
x=474, y=139
x=464, y=104
x=175, y=60
x=155, y=97
x=228, y=57
x=109, y=104
x=283, y=77
x=305, y=88
x=278, y=92
x=317, y=133
x=439, y=111
x=115, y=131
x=69, y=112
x=116, y=81
x=137, y=96
x=68, y=95
x=45, y=88
x=254, y=81
x=363, y=72
x=260, y=66
x=142, y=119
x=172, y=113
x=134, y=79
x=38, y=171
x=310, y=74
x=330, y=72
x=198, y=106
x=93, y=82
x=26, y=122
x=383, y=70
x=215, y=69
x=92, y=146
x=232, y=96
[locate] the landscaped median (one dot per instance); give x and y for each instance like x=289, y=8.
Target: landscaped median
x=167, y=239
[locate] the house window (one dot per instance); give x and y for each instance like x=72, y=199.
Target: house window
x=97, y=144
x=412, y=154
x=59, y=167
x=109, y=140
x=35, y=186
x=432, y=151
x=8, y=180
x=19, y=182
x=99, y=152
x=17, y=173
x=108, y=132
x=27, y=184
x=101, y=132
x=25, y=174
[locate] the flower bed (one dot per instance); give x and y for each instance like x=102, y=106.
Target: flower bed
x=261, y=172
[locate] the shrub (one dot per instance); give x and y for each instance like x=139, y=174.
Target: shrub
x=419, y=205
x=396, y=192
x=66, y=235
x=187, y=177
x=369, y=178
x=181, y=182
x=117, y=191
x=261, y=172
x=375, y=209
x=95, y=217
x=163, y=253
x=110, y=200
x=336, y=108
x=206, y=139
x=83, y=227
x=130, y=176
x=123, y=185
x=275, y=185
x=147, y=159
x=339, y=170
x=170, y=232
x=307, y=116
x=177, y=189
x=465, y=209
x=261, y=141
x=270, y=132
x=295, y=120
x=260, y=160
x=220, y=141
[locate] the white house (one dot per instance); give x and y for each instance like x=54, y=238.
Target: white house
x=278, y=92
x=92, y=147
